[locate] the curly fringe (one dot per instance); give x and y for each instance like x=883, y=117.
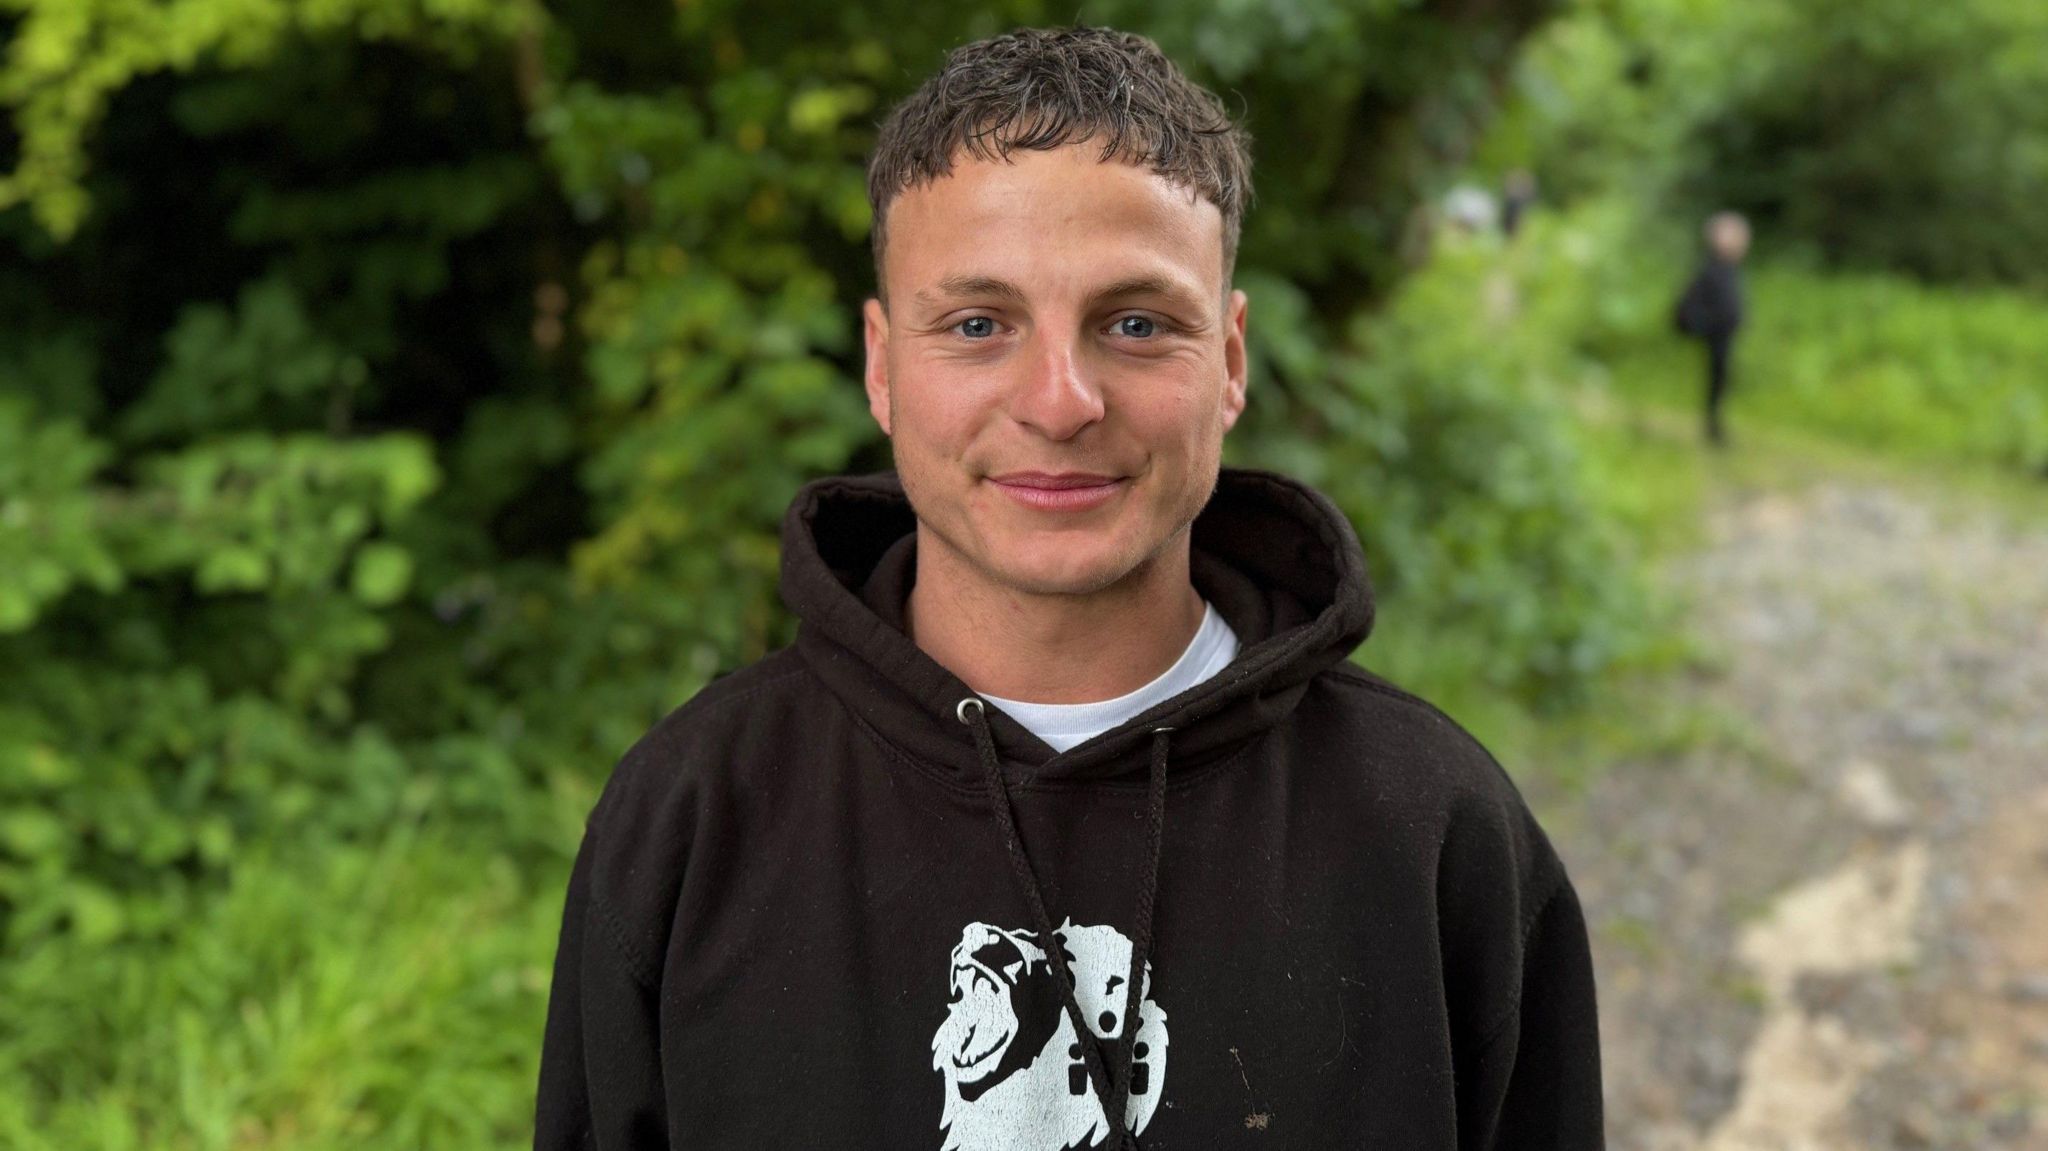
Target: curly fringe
x=1044, y=88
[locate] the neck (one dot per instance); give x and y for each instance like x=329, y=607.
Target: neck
x=1053, y=648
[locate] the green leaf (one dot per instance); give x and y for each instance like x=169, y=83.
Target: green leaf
x=382, y=573
x=232, y=569
x=96, y=915
x=32, y=832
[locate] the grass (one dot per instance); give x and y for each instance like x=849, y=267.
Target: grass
x=1951, y=380
x=389, y=996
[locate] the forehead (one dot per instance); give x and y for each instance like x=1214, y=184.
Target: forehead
x=1051, y=220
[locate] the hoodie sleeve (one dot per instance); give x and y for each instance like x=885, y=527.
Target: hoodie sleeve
x=600, y=1068
x=1534, y=1082
x=1518, y=975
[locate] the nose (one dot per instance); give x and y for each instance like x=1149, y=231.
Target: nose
x=1058, y=396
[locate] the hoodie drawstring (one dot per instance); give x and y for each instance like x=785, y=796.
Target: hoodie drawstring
x=1112, y=1086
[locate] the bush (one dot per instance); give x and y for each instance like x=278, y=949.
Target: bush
x=1883, y=362
x=1876, y=135
x=1441, y=427
x=1894, y=136
x=390, y=994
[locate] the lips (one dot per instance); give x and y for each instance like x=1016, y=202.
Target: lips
x=962, y=1060
x=1054, y=481
x=973, y=981
x=1059, y=491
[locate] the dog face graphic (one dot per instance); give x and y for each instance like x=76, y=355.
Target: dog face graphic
x=1015, y=1078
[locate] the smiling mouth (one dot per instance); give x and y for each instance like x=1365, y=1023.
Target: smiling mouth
x=961, y=1058
x=1059, y=491
x=1054, y=481
x=962, y=1061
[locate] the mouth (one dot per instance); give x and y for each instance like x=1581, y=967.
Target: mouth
x=964, y=1059
x=968, y=1053
x=1059, y=491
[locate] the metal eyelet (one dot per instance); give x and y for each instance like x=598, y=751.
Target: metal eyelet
x=960, y=711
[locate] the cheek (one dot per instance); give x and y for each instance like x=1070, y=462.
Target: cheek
x=940, y=408
x=1182, y=413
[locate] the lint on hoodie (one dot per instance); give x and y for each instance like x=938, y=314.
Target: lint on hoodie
x=836, y=901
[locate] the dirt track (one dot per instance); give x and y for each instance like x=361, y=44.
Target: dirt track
x=1825, y=927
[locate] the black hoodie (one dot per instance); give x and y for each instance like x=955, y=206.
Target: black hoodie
x=799, y=918
x=1711, y=308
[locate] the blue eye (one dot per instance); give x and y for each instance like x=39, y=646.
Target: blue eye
x=977, y=327
x=1135, y=326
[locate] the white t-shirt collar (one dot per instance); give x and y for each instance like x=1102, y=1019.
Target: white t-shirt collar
x=1064, y=725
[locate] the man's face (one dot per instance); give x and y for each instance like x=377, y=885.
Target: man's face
x=1730, y=239
x=1057, y=365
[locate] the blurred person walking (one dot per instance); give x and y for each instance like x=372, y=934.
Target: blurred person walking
x=1711, y=309
x=1518, y=195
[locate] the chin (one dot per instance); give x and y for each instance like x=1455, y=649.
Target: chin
x=1062, y=566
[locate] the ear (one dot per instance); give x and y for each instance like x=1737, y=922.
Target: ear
x=875, y=333
x=1235, y=369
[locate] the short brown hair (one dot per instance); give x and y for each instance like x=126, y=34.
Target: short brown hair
x=1042, y=88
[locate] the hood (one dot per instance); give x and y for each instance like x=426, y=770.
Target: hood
x=1280, y=563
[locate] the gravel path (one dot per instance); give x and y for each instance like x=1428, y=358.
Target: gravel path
x=1828, y=928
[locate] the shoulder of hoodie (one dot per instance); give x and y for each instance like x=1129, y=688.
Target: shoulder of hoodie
x=1444, y=778
x=694, y=737
x=646, y=818
x=1497, y=879
x=1455, y=761
x=639, y=835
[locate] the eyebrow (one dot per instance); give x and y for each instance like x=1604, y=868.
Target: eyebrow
x=954, y=287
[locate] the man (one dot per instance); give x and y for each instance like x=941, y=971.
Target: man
x=1711, y=309
x=1065, y=823
x=1517, y=198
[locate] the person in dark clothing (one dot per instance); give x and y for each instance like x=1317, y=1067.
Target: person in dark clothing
x=1065, y=822
x=1711, y=309
x=1517, y=198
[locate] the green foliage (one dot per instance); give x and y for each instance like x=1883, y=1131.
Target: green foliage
x=1885, y=362
x=1607, y=97
x=387, y=995
x=1878, y=362
x=1889, y=135
x=261, y=365
x=68, y=59
x=46, y=513
x=1869, y=361
x=1439, y=427
x=1897, y=135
